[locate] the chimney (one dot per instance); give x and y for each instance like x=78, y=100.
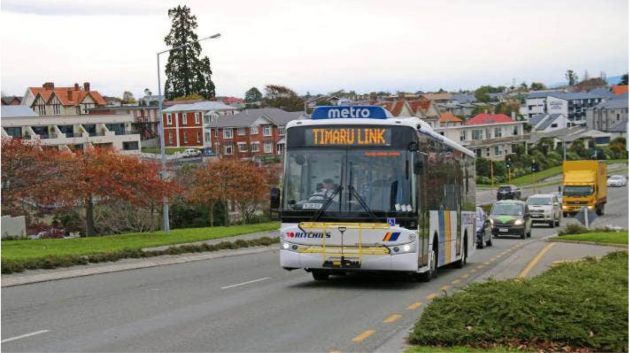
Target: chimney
x=76, y=86
x=86, y=86
x=49, y=85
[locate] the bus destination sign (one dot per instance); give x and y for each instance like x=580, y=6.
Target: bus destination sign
x=359, y=136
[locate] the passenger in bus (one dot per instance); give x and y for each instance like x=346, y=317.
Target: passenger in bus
x=324, y=190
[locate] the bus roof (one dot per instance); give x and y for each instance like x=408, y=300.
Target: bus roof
x=413, y=122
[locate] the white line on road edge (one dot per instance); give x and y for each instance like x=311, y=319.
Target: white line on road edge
x=244, y=283
x=23, y=336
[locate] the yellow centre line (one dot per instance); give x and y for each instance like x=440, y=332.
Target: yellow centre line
x=414, y=306
x=392, y=318
x=362, y=336
x=455, y=281
x=431, y=296
x=535, y=261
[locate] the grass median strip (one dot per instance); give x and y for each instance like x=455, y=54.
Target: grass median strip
x=579, y=305
x=616, y=238
x=54, y=261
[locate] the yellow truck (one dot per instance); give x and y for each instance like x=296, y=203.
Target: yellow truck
x=584, y=184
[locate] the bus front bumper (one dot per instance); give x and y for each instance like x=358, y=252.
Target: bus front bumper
x=399, y=262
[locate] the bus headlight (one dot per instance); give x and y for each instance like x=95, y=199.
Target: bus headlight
x=403, y=248
x=286, y=245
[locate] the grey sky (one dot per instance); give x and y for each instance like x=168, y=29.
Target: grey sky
x=316, y=45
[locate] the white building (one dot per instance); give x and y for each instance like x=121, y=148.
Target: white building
x=71, y=132
x=609, y=116
x=548, y=122
x=571, y=105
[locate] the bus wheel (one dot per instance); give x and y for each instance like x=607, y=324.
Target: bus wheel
x=462, y=262
x=320, y=275
x=432, y=272
x=600, y=210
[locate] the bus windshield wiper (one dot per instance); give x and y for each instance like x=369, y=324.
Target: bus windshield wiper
x=361, y=201
x=327, y=203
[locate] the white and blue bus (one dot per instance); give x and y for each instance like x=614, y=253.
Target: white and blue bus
x=365, y=191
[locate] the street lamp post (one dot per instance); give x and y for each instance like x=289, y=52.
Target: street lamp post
x=165, y=220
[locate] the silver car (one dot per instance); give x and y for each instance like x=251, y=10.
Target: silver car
x=545, y=208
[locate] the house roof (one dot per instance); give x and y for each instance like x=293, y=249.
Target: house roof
x=568, y=95
x=448, y=117
x=247, y=117
x=485, y=118
x=8, y=100
x=534, y=120
x=620, y=101
x=464, y=98
x=619, y=89
x=547, y=121
x=569, y=134
x=437, y=96
x=14, y=111
x=621, y=126
x=68, y=96
x=204, y=106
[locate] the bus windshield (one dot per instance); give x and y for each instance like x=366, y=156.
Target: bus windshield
x=348, y=180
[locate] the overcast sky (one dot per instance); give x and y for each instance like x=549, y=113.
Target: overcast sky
x=316, y=45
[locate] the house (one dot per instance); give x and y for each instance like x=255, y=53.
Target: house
x=188, y=124
x=618, y=90
x=11, y=100
x=399, y=107
x=608, y=114
x=70, y=132
x=146, y=117
x=571, y=105
x=488, y=135
x=548, y=122
x=49, y=100
x=568, y=135
x=448, y=119
x=252, y=133
x=425, y=110
x=440, y=97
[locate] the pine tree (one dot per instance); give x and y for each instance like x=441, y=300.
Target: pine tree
x=186, y=72
x=253, y=95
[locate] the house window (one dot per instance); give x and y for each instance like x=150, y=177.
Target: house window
x=515, y=130
x=281, y=130
x=185, y=137
x=56, y=109
x=216, y=132
x=184, y=119
x=227, y=149
x=242, y=147
x=554, y=125
x=198, y=136
x=169, y=119
x=462, y=135
x=41, y=109
x=241, y=131
x=253, y=130
x=255, y=146
x=497, y=151
x=197, y=118
x=227, y=133
x=267, y=131
x=207, y=137
x=268, y=147
x=477, y=134
x=497, y=132
x=170, y=138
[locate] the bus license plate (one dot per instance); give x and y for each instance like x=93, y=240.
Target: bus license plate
x=312, y=206
x=503, y=230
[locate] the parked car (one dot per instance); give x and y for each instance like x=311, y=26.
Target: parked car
x=545, y=208
x=508, y=192
x=191, y=152
x=617, y=180
x=510, y=217
x=483, y=229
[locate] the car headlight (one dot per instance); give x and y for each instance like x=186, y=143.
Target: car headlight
x=403, y=248
x=518, y=222
x=591, y=207
x=491, y=222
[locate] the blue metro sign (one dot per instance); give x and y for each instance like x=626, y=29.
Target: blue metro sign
x=349, y=112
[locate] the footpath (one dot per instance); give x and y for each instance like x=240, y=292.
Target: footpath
x=36, y=276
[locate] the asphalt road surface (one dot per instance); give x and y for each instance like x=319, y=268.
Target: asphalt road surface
x=248, y=304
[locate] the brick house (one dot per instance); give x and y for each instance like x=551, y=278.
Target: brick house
x=187, y=125
x=252, y=133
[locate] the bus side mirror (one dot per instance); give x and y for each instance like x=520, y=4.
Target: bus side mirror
x=275, y=198
x=417, y=167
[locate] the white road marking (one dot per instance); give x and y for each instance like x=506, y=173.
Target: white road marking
x=23, y=336
x=244, y=283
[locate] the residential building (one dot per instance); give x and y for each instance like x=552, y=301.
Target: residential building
x=447, y=119
x=49, y=100
x=188, y=124
x=399, y=107
x=618, y=90
x=571, y=105
x=425, y=110
x=440, y=97
x=70, y=132
x=488, y=135
x=548, y=122
x=11, y=100
x=252, y=133
x=568, y=135
x=146, y=117
x=608, y=114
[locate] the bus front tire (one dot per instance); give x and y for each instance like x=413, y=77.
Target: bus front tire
x=320, y=275
x=432, y=272
x=462, y=262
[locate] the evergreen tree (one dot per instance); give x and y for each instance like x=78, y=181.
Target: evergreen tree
x=571, y=77
x=253, y=95
x=186, y=72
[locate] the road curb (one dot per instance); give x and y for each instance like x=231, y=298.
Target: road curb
x=19, y=280
x=622, y=246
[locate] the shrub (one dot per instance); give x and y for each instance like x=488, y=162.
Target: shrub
x=573, y=228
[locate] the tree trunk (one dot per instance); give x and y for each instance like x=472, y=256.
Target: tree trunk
x=89, y=217
x=227, y=213
x=211, y=214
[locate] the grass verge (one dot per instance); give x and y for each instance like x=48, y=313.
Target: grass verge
x=48, y=262
x=168, y=150
x=571, y=306
x=461, y=349
x=43, y=248
x=617, y=238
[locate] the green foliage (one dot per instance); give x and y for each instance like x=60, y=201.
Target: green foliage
x=282, y=97
x=624, y=80
x=582, y=304
x=186, y=71
x=617, y=148
x=253, y=95
x=188, y=215
x=571, y=76
x=537, y=86
x=573, y=228
x=482, y=93
x=603, y=236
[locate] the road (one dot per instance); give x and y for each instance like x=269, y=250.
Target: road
x=248, y=304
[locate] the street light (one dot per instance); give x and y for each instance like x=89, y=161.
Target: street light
x=165, y=221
